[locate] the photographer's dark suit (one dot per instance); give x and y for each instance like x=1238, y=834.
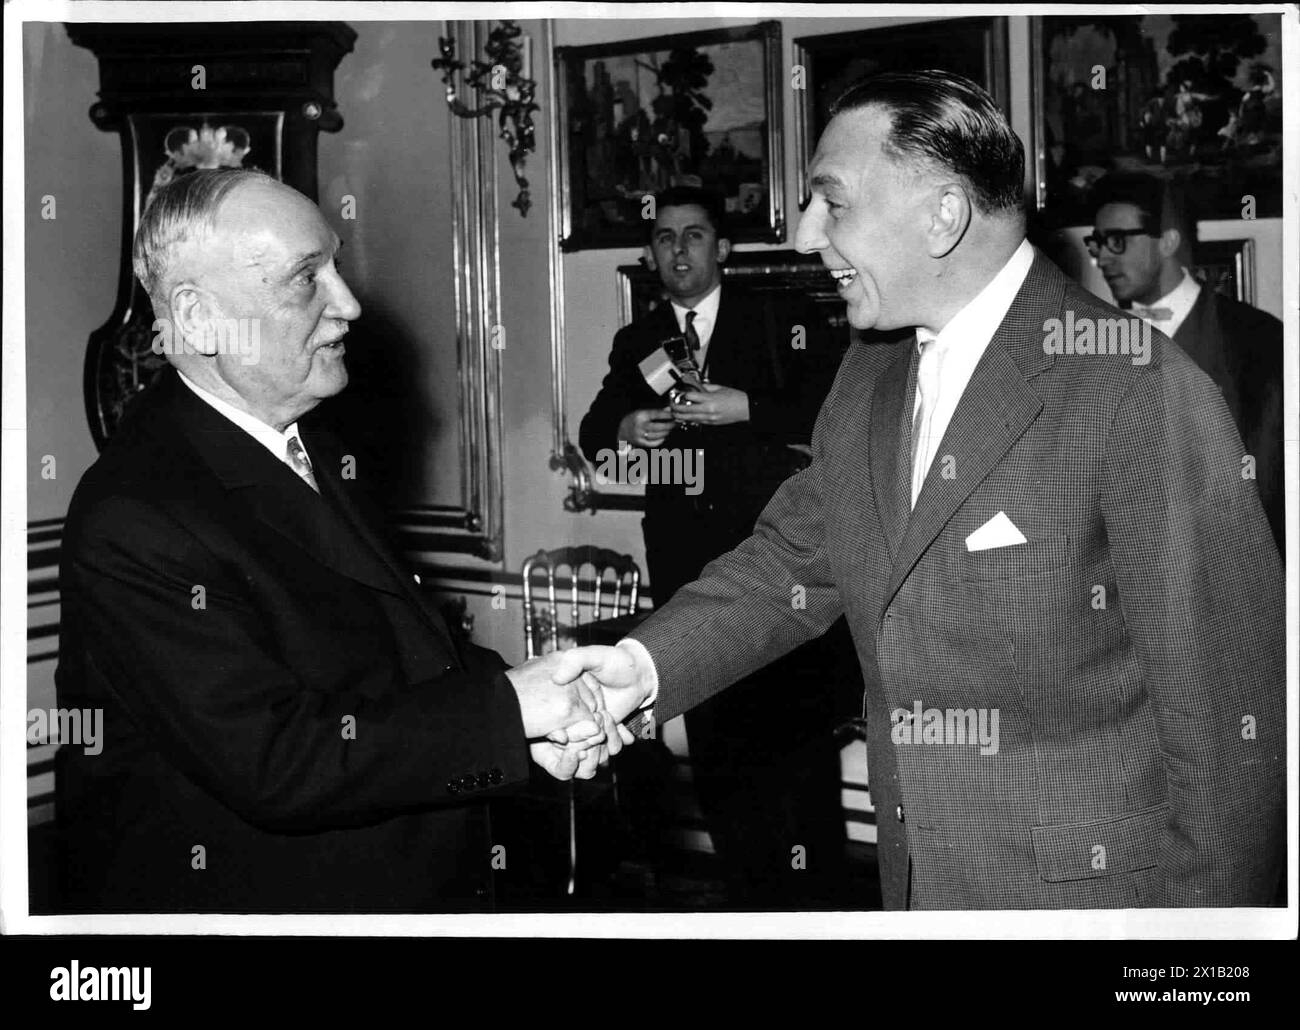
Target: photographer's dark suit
x=276, y=690
x=766, y=768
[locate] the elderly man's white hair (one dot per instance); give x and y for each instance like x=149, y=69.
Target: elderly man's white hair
x=181, y=212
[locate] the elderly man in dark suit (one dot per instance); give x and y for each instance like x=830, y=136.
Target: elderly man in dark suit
x=767, y=365
x=1145, y=236
x=1065, y=598
x=289, y=725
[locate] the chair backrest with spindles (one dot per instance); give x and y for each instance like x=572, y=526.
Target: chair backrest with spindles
x=622, y=593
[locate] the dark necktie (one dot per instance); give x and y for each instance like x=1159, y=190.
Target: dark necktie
x=692, y=337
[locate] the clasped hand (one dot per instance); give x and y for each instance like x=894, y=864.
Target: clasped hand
x=573, y=705
x=712, y=405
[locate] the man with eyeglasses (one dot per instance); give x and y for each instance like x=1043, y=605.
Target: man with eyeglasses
x=1142, y=243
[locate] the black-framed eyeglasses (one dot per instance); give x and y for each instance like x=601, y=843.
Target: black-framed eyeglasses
x=1115, y=240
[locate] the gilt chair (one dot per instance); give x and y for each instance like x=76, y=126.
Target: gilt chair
x=603, y=585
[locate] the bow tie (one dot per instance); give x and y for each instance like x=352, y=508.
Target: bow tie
x=1154, y=314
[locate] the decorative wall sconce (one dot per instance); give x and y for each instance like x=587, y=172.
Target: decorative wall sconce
x=500, y=83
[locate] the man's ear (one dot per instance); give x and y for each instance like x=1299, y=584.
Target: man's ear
x=192, y=319
x=950, y=217
x=724, y=251
x=1170, y=241
x=648, y=258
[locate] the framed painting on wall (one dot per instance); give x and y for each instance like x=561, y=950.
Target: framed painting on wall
x=697, y=109
x=1195, y=98
x=973, y=47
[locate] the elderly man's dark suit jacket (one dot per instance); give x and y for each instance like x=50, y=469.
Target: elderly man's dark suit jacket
x=1133, y=646
x=276, y=690
x=1240, y=348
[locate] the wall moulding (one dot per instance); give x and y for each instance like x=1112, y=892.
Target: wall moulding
x=476, y=525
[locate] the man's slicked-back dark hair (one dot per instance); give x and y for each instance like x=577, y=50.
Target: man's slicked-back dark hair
x=681, y=196
x=946, y=120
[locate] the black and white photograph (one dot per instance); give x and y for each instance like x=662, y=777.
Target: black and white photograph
x=647, y=471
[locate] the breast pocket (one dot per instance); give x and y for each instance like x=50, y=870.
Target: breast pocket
x=1015, y=561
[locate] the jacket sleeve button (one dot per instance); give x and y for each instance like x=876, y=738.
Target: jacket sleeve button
x=453, y=787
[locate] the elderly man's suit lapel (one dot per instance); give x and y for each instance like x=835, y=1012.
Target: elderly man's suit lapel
x=327, y=527
x=361, y=517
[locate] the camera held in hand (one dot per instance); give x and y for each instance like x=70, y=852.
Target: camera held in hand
x=671, y=369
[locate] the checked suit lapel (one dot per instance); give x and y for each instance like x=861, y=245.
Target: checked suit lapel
x=996, y=408
x=889, y=428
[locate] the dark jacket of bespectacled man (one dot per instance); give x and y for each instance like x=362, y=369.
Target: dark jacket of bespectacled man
x=767, y=364
x=1143, y=241
x=1065, y=599
x=289, y=726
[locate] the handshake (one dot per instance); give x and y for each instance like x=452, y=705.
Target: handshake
x=574, y=703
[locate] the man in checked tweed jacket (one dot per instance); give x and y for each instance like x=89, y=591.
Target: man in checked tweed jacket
x=1055, y=543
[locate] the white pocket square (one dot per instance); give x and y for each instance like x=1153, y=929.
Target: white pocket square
x=999, y=531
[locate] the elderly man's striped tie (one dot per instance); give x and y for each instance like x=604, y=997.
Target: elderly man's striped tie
x=300, y=463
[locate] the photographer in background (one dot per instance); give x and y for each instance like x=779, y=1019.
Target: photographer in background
x=765, y=764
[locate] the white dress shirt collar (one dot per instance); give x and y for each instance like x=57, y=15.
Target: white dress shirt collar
x=268, y=436
x=976, y=323
x=1179, y=302
x=957, y=349
x=706, y=316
